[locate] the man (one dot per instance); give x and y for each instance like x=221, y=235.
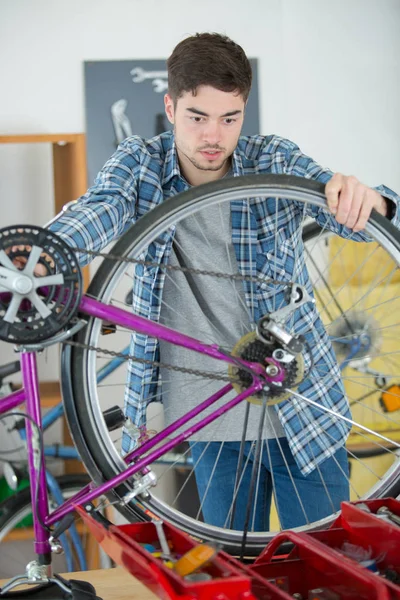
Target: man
x=209, y=82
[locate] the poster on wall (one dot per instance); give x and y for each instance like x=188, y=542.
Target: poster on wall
x=126, y=97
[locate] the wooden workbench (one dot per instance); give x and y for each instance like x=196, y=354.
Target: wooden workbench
x=113, y=584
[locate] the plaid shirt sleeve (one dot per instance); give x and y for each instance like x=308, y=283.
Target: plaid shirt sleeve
x=101, y=214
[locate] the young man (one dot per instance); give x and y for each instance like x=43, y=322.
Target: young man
x=209, y=82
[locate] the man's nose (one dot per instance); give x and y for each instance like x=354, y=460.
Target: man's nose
x=212, y=133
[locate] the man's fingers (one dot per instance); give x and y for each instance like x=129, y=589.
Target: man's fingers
x=21, y=248
x=345, y=202
x=355, y=197
x=350, y=201
x=19, y=262
x=365, y=211
x=40, y=270
x=332, y=191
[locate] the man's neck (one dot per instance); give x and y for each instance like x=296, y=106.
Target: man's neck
x=195, y=176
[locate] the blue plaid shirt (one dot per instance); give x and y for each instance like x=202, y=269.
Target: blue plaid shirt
x=143, y=173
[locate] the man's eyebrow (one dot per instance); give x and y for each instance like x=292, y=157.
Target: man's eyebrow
x=196, y=111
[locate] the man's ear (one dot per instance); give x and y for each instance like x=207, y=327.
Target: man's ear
x=169, y=108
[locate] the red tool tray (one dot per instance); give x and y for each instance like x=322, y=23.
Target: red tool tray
x=359, y=527
x=370, y=532
x=311, y=564
x=230, y=580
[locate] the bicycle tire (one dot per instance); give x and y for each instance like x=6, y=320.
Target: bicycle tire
x=13, y=512
x=84, y=416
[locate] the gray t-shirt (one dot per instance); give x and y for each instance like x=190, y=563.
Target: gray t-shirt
x=213, y=311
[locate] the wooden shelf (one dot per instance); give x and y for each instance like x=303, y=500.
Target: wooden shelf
x=69, y=167
x=69, y=162
x=70, y=182
x=39, y=138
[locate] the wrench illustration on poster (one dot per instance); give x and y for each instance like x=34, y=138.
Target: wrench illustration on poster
x=158, y=78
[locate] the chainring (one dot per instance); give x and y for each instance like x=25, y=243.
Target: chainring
x=33, y=306
x=252, y=349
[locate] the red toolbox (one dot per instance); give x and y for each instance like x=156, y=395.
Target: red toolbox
x=311, y=565
x=225, y=577
x=358, y=528
x=314, y=569
x=360, y=525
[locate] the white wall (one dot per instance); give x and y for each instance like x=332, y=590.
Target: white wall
x=329, y=79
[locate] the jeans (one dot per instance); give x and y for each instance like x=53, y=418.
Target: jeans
x=299, y=499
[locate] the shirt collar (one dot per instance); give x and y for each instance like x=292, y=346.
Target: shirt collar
x=237, y=164
x=171, y=164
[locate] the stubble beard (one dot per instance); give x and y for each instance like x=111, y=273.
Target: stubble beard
x=210, y=167
x=202, y=167
x=197, y=164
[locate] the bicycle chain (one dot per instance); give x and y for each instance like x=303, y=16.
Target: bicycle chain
x=147, y=263
x=153, y=362
x=167, y=267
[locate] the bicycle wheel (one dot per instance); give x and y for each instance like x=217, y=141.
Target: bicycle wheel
x=288, y=201
x=16, y=533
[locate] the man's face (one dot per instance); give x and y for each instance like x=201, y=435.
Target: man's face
x=207, y=127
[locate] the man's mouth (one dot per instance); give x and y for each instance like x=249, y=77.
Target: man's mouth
x=210, y=154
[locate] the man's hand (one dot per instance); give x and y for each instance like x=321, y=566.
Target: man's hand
x=352, y=202
x=20, y=261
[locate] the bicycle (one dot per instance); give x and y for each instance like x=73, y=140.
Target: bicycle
x=34, y=325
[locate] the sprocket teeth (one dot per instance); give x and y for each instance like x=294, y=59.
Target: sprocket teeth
x=252, y=349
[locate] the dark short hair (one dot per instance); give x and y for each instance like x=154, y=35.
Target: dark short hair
x=208, y=59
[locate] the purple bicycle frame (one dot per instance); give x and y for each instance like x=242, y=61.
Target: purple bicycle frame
x=29, y=394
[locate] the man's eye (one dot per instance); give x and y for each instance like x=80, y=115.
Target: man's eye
x=229, y=121
x=197, y=119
